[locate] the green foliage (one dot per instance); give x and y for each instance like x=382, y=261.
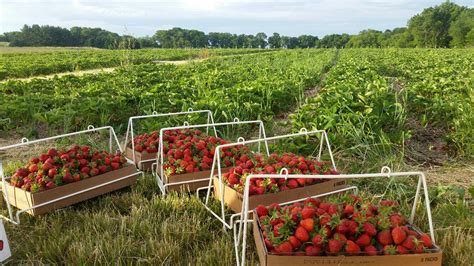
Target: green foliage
x=369, y=94
x=21, y=65
x=247, y=87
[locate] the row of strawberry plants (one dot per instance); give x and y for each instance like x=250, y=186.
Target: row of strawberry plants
x=247, y=87
x=22, y=65
x=373, y=96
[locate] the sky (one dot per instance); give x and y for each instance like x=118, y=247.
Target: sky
x=144, y=17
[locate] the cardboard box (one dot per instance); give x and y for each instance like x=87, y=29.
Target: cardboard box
x=233, y=199
x=23, y=199
x=266, y=259
x=189, y=187
x=141, y=156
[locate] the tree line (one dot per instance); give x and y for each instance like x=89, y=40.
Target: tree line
x=445, y=25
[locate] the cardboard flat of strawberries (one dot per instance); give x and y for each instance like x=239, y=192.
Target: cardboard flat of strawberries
x=426, y=256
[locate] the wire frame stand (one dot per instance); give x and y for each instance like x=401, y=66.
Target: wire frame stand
x=25, y=142
x=157, y=167
x=229, y=224
x=131, y=132
x=240, y=234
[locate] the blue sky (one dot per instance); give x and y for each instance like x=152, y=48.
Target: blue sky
x=144, y=17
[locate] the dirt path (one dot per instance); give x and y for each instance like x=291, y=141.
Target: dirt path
x=281, y=123
x=75, y=73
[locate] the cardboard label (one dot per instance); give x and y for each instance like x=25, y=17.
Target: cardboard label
x=5, y=252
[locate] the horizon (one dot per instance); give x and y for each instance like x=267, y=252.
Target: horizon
x=249, y=17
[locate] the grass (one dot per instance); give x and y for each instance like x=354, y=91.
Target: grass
x=138, y=225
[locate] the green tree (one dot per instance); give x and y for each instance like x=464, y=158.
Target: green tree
x=462, y=29
x=274, y=41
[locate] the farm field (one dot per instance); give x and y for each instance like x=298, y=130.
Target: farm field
x=30, y=62
x=405, y=108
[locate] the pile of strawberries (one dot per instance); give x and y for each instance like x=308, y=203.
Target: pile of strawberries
x=190, y=150
x=56, y=168
x=257, y=164
x=147, y=142
x=347, y=225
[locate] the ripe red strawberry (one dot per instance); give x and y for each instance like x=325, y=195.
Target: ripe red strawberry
x=318, y=240
x=363, y=240
x=269, y=244
x=397, y=219
x=284, y=247
x=295, y=242
x=52, y=172
x=348, y=210
x=334, y=245
x=369, y=229
x=76, y=177
x=311, y=250
x=426, y=240
x=308, y=212
x=301, y=234
x=94, y=172
x=115, y=165
x=261, y=210
x=384, y=237
x=292, y=183
x=50, y=185
x=371, y=250
x=307, y=224
x=33, y=168
x=52, y=152
x=398, y=235
x=401, y=250
x=67, y=178
x=351, y=247
x=409, y=242
x=85, y=170
x=46, y=166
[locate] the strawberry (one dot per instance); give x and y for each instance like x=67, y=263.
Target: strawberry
x=301, y=234
x=334, y=245
x=363, y=240
x=401, y=250
x=308, y=212
x=115, y=165
x=85, y=170
x=369, y=229
x=284, y=247
x=398, y=235
x=318, y=240
x=311, y=250
x=371, y=250
x=409, y=242
x=261, y=210
x=384, y=237
x=295, y=242
x=33, y=168
x=94, y=171
x=426, y=240
x=351, y=247
x=307, y=224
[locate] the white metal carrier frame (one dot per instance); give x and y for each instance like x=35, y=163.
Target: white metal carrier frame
x=324, y=143
x=25, y=142
x=131, y=132
x=241, y=235
x=158, y=169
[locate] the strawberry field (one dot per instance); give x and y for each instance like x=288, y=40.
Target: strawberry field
x=410, y=109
